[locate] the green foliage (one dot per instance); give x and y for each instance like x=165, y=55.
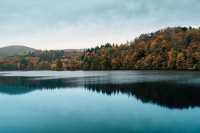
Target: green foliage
x=8, y=67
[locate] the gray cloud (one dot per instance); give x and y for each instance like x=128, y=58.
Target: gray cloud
x=84, y=23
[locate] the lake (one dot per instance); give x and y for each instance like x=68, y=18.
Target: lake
x=99, y=102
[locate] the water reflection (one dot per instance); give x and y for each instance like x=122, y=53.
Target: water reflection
x=170, y=94
x=21, y=85
x=166, y=94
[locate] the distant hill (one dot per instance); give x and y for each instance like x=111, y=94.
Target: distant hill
x=15, y=50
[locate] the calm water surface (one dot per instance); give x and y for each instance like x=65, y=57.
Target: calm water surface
x=99, y=102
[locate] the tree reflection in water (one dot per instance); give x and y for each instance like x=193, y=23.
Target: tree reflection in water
x=164, y=93
x=170, y=95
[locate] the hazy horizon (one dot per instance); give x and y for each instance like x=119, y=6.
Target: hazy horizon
x=77, y=24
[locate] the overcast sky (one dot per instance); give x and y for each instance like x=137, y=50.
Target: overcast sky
x=58, y=24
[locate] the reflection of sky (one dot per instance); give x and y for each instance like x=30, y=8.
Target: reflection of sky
x=165, y=88
x=84, y=111
x=85, y=23
x=111, y=76
x=52, y=74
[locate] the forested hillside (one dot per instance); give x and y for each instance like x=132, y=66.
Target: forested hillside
x=43, y=60
x=167, y=49
x=172, y=48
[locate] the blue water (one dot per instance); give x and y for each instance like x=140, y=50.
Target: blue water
x=96, y=102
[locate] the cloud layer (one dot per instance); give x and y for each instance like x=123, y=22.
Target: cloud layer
x=84, y=23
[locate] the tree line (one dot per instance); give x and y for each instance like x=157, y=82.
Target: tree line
x=176, y=48
x=167, y=49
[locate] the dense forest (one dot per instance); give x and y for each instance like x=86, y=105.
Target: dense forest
x=175, y=48
x=172, y=48
x=43, y=60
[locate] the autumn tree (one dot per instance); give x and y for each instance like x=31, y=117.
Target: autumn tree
x=59, y=65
